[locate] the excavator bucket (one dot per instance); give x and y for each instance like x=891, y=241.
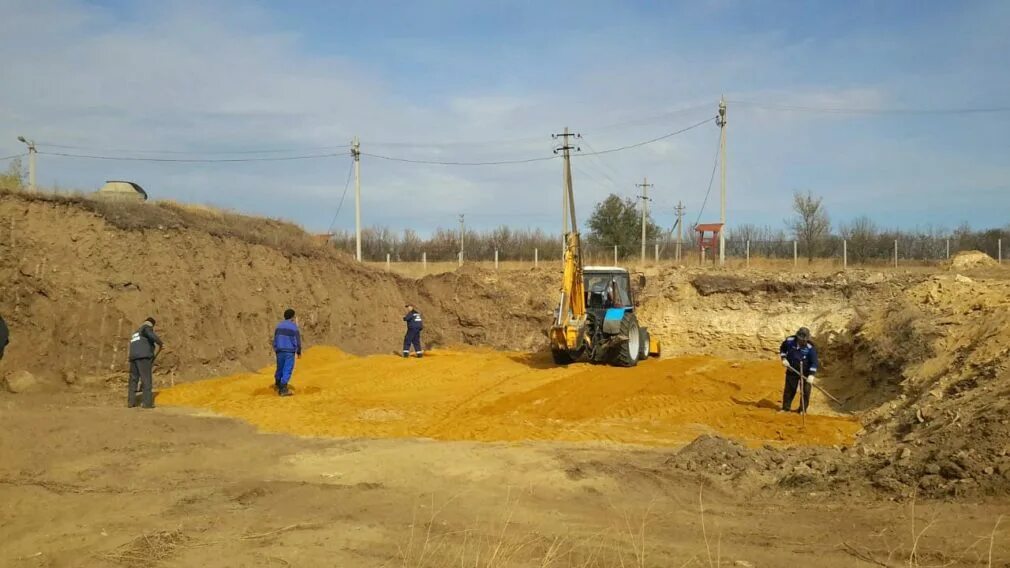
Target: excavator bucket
x=655, y=349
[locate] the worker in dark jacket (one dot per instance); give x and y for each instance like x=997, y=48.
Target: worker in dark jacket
x=413, y=336
x=287, y=345
x=799, y=357
x=143, y=351
x=5, y=336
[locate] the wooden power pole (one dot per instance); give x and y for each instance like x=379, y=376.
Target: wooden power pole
x=680, y=227
x=356, y=152
x=721, y=121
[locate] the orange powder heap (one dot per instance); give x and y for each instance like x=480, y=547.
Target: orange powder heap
x=494, y=396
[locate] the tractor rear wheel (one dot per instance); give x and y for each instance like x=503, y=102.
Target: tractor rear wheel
x=627, y=351
x=643, y=348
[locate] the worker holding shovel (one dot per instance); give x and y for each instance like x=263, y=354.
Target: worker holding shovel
x=799, y=357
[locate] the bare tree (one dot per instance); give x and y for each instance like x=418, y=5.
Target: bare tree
x=811, y=224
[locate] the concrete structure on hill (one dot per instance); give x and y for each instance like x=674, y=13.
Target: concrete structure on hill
x=118, y=189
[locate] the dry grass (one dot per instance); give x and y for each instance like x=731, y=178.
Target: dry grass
x=169, y=215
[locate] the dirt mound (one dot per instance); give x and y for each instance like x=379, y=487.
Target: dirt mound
x=494, y=396
x=77, y=283
x=971, y=259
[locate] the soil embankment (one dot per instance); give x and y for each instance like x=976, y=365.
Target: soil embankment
x=77, y=281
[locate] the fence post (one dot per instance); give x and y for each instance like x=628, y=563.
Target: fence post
x=387, y=261
x=496, y=259
x=845, y=254
x=703, y=256
x=748, y=253
x=657, y=252
x=796, y=257
x=999, y=250
x=615, y=255
x=948, y=249
x=424, y=262
x=896, y=253
x=459, y=256
x=536, y=257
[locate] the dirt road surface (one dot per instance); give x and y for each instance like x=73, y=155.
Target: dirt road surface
x=86, y=482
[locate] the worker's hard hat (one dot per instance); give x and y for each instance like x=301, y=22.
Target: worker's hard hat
x=803, y=333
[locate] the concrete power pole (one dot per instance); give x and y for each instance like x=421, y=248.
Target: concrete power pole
x=356, y=152
x=645, y=185
x=721, y=121
x=31, y=161
x=462, y=234
x=680, y=227
x=568, y=215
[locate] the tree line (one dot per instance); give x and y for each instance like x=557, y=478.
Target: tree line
x=617, y=221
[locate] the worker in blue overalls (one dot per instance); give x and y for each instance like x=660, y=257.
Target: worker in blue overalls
x=413, y=336
x=287, y=345
x=799, y=356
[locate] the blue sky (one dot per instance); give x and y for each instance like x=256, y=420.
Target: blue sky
x=487, y=81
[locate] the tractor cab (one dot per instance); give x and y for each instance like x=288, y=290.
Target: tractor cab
x=607, y=287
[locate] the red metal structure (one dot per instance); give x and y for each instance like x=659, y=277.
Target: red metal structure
x=708, y=243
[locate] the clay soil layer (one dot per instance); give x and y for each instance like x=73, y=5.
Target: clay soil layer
x=492, y=396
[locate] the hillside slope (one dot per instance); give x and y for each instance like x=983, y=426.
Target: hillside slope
x=78, y=279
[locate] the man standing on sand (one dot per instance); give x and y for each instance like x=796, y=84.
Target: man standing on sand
x=798, y=355
x=413, y=336
x=287, y=345
x=142, y=355
x=5, y=336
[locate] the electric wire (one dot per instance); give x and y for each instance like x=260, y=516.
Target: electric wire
x=190, y=152
x=454, y=163
x=347, y=184
x=5, y=158
x=190, y=160
x=539, y=159
x=715, y=165
x=856, y=110
x=646, y=142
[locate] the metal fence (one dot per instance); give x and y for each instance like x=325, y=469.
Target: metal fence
x=881, y=251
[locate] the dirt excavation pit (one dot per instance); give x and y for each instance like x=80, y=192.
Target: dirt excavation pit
x=484, y=395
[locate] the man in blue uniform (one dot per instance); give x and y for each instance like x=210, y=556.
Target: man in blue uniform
x=413, y=336
x=5, y=337
x=142, y=355
x=798, y=355
x=287, y=345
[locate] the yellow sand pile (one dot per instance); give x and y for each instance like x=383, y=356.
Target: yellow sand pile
x=972, y=259
x=495, y=396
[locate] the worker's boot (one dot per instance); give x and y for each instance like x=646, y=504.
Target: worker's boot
x=420, y=355
x=283, y=391
x=406, y=355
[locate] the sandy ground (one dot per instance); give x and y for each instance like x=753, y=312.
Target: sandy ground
x=494, y=396
x=87, y=482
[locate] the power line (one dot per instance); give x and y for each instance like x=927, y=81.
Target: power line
x=347, y=184
x=657, y=139
x=5, y=158
x=854, y=110
x=189, y=160
x=377, y=156
x=189, y=152
x=715, y=165
x=446, y=163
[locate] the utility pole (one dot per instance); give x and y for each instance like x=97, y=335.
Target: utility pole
x=568, y=204
x=721, y=121
x=356, y=153
x=645, y=185
x=462, y=233
x=31, y=161
x=680, y=227
x=564, y=203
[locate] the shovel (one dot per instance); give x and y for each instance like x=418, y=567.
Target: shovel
x=818, y=387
